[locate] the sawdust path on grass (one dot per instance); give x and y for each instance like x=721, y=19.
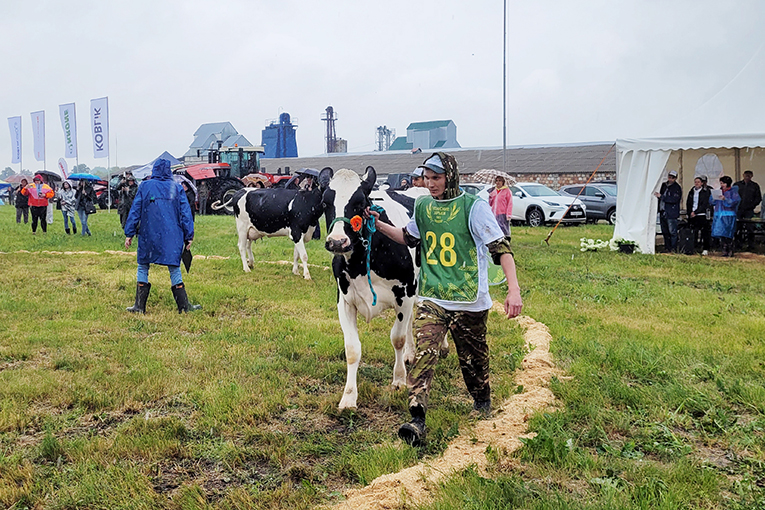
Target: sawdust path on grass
x=502, y=432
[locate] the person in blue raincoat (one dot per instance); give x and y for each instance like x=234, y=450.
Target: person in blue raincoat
x=724, y=220
x=161, y=216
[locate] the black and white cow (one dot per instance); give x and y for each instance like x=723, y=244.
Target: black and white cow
x=275, y=212
x=394, y=273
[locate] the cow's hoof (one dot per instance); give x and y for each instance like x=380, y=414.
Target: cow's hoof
x=247, y=269
x=347, y=403
x=307, y=277
x=398, y=385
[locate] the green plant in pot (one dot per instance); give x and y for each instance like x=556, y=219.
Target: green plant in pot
x=624, y=245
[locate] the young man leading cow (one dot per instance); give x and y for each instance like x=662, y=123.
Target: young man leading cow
x=454, y=230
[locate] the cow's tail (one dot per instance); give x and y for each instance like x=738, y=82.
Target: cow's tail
x=217, y=206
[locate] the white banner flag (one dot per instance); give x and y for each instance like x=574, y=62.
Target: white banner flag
x=14, y=123
x=69, y=125
x=38, y=134
x=99, y=119
x=63, y=167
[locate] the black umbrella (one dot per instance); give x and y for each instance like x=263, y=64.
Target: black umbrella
x=52, y=175
x=186, y=258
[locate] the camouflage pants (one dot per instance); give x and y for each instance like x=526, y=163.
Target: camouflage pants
x=468, y=331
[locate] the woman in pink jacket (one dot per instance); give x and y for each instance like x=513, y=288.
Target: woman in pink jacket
x=38, y=194
x=501, y=202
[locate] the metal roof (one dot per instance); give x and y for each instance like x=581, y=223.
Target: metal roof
x=555, y=159
x=432, y=124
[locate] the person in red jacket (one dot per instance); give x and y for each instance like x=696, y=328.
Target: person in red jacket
x=38, y=194
x=501, y=202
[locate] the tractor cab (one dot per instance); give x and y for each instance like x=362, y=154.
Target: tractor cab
x=242, y=160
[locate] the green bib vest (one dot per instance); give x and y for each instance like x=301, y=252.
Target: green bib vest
x=448, y=254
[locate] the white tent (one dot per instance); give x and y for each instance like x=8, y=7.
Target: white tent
x=640, y=163
x=640, y=170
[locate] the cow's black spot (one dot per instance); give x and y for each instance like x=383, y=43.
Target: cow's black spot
x=400, y=316
x=399, y=293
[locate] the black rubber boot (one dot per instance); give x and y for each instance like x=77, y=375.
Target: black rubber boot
x=413, y=433
x=141, y=295
x=483, y=407
x=182, y=300
x=74, y=228
x=67, y=230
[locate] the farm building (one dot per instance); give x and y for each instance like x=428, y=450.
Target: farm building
x=552, y=165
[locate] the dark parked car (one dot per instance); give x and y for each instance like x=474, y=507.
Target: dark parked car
x=599, y=197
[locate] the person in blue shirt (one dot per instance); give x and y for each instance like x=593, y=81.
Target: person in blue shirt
x=161, y=216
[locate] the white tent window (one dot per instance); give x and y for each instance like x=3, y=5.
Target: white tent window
x=710, y=166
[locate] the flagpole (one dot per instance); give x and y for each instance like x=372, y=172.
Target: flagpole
x=108, y=158
x=504, y=88
x=76, y=140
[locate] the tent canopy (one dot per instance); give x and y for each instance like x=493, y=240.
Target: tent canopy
x=732, y=118
x=145, y=170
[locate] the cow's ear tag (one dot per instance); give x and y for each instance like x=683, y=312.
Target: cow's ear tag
x=356, y=223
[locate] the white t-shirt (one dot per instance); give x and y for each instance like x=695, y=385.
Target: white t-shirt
x=485, y=230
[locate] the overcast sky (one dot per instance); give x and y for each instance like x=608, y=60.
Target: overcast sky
x=577, y=71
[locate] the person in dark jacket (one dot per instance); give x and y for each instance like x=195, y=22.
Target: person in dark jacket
x=751, y=196
x=162, y=212
x=670, y=196
x=22, y=203
x=191, y=197
x=84, y=203
x=698, y=207
x=128, y=189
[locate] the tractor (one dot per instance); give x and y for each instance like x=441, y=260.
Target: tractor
x=227, y=171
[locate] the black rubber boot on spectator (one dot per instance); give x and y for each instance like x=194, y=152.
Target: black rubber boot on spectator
x=182, y=300
x=67, y=231
x=74, y=228
x=413, y=433
x=141, y=295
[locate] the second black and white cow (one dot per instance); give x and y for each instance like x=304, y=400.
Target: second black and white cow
x=279, y=212
x=392, y=269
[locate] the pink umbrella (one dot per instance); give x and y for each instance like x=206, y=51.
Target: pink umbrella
x=16, y=178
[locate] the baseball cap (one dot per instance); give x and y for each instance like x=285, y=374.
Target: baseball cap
x=434, y=164
x=672, y=173
x=417, y=172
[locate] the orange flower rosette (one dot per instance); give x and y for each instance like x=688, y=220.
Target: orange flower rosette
x=356, y=223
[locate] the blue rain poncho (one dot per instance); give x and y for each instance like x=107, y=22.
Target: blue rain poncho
x=724, y=220
x=161, y=216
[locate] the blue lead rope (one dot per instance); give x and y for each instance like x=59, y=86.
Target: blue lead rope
x=371, y=229
x=366, y=242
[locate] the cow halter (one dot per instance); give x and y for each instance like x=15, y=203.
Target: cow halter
x=356, y=224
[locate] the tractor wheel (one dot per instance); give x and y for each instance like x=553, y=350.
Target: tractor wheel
x=225, y=192
x=535, y=217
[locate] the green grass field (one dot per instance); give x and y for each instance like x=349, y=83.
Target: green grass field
x=235, y=406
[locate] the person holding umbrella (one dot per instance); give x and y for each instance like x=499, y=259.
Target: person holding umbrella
x=162, y=210
x=38, y=194
x=85, y=203
x=22, y=202
x=66, y=196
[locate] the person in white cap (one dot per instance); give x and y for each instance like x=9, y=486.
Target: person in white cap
x=670, y=196
x=457, y=233
x=418, y=181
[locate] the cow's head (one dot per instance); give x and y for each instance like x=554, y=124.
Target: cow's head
x=346, y=198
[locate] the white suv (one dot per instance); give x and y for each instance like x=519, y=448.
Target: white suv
x=536, y=204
